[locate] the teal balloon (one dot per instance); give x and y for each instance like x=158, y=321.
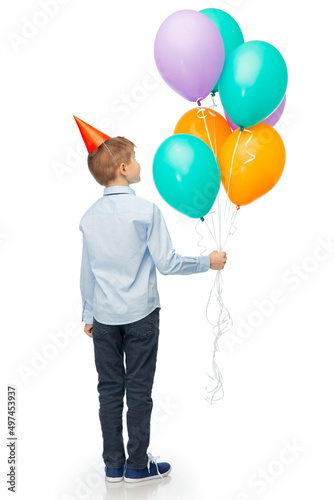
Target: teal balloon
x=229, y=29
x=252, y=83
x=186, y=174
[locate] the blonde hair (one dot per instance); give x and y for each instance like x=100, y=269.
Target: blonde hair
x=103, y=164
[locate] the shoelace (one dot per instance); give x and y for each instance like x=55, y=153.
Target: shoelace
x=153, y=459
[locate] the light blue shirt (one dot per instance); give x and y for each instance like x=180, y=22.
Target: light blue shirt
x=125, y=238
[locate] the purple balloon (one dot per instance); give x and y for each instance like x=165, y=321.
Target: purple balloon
x=189, y=53
x=270, y=120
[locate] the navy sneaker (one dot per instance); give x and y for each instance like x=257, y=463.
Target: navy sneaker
x=153, y=470
x=113, y=475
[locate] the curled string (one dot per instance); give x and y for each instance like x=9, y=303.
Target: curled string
x=201, y=238
x=201, y=110
x=202, y=115
x=227, y=200
x=222, y=325
x=214, y=236
x=224, y=321
x=213, y=105
x=251, y=133
x=228, y=203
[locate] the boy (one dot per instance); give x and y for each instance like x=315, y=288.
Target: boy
x=125, y=238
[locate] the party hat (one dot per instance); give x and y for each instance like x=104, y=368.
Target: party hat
x=92, y=137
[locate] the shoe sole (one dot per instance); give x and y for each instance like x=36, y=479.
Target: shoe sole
x=135, y=480
x=114, y=479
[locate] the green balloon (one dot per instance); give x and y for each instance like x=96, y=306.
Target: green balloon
x=253, y=82
x=186, y=174
x=229, y=29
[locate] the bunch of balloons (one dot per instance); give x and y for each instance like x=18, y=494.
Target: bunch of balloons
x=202, y=53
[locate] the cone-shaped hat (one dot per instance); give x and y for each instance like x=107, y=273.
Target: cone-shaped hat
x=92, y=137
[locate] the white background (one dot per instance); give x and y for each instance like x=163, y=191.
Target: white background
x=95, y=59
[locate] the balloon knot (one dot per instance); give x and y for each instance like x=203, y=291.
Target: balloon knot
x=198, y=102
x=202, y=219
x=241, y=129
x=238, y=207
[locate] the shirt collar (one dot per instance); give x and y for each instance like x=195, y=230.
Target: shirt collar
x=118, y=190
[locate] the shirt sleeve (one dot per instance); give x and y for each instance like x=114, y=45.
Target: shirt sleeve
x=166, y=260
x=87, y=284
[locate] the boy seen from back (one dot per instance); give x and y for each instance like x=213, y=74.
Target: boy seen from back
x=125, y=239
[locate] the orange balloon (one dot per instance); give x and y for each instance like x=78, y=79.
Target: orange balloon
x=193, y=123
x=258, y=163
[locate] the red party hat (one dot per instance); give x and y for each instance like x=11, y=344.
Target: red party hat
x=92, y=137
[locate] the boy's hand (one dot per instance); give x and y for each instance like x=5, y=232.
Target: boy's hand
x=217, y=260
x=89, y=330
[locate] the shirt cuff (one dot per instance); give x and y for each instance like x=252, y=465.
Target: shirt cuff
x=87, y=316
x=204, y=263
x=88, y=320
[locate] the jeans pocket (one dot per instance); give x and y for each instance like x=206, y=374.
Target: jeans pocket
x=146, y=326
x=99, y=329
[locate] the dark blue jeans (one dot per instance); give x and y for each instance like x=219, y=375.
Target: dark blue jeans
x=138, y=343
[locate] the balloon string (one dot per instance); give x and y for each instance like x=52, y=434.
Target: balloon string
x=222, y=325
x=212, y=233
x=251, y=159
x=232, y=228
x=213, y=105
x=227, y=210
x=214, y=150
x=201, y=109
x=213, y=227
x=224, y=322
x=201, y=238
x=229, y=180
